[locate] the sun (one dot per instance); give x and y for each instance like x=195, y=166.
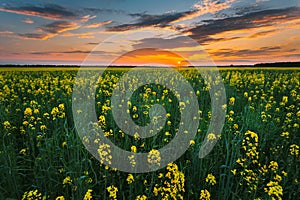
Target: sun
x=179, y=62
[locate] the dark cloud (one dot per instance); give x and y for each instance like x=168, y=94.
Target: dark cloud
x=68, y=52
x=202, y=33
x=293, y=55
x=247, y=9
x=103, y=11
x=146, y=20
x=92, y=43
x=59, y=26
x=181, y=41
x=49, y=11
x=33, y=36
x=50, y=30
x=246, y=52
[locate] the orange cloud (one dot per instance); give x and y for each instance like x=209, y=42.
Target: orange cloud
x=50, y=30
x=28, y=21
x=6, y=33
x=96, y=25
x=86, y=18
x=79, y=35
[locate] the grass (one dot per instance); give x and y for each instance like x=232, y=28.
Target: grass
x=257, y=156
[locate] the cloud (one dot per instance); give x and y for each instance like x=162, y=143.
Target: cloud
x=28, y=21
x=93, y=43
x=263, y=33
x=34, y=36
x=27, y=36
x=49, y=11
x=71, y=20
x=247, y=9
x=59, y=27
x=6, y=33
x=60, y=52
x=205, y=7
x=96, y=25
x=50, y=30
x=181, y=41
x=103, y=11
x=67, y=52
x=146, y=20
x=202, y=33
x=79, y=35
x=86, y=18
x=239, y=53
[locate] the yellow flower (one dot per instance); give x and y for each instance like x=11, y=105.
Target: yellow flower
x=67, y=180
x=136, y=136
x=141, y=197
x=204, y=195
x=133, y=149
x=278, y=178
x=233, y=171
x=23, y=151
x=104, y=153
x=88, y=195
x=64, y=144
x=102, y=121
x=211, y=179
x=6, y=124
x=154, y=157
x=135, y=116
x=211, y=136
x=60, y=198
x=192, y=142
x=36, y=111
x=32, y=195
x=134, y=108
x=132, y=160
x=285, y=99
x=285, y=134
x=294, y=150
x=273, y=165
x=28, y=112
x=284, y=173
x=61, y=107
x=43, y=127
x=130, y=178
x=235, y=126
x=112, y=190
x=172, y=183
x=274, y=189
x=231, y=101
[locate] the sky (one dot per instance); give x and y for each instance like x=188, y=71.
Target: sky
x=132, y=32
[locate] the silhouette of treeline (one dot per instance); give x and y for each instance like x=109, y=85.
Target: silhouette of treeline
x=278, y=64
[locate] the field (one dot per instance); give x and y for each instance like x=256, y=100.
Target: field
x=256, y=157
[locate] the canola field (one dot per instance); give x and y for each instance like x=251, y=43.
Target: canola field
x=256, y=156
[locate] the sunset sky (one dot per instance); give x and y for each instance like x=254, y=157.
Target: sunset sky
x=230, y=32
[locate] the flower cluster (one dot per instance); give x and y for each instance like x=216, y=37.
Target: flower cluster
x=172, y=184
